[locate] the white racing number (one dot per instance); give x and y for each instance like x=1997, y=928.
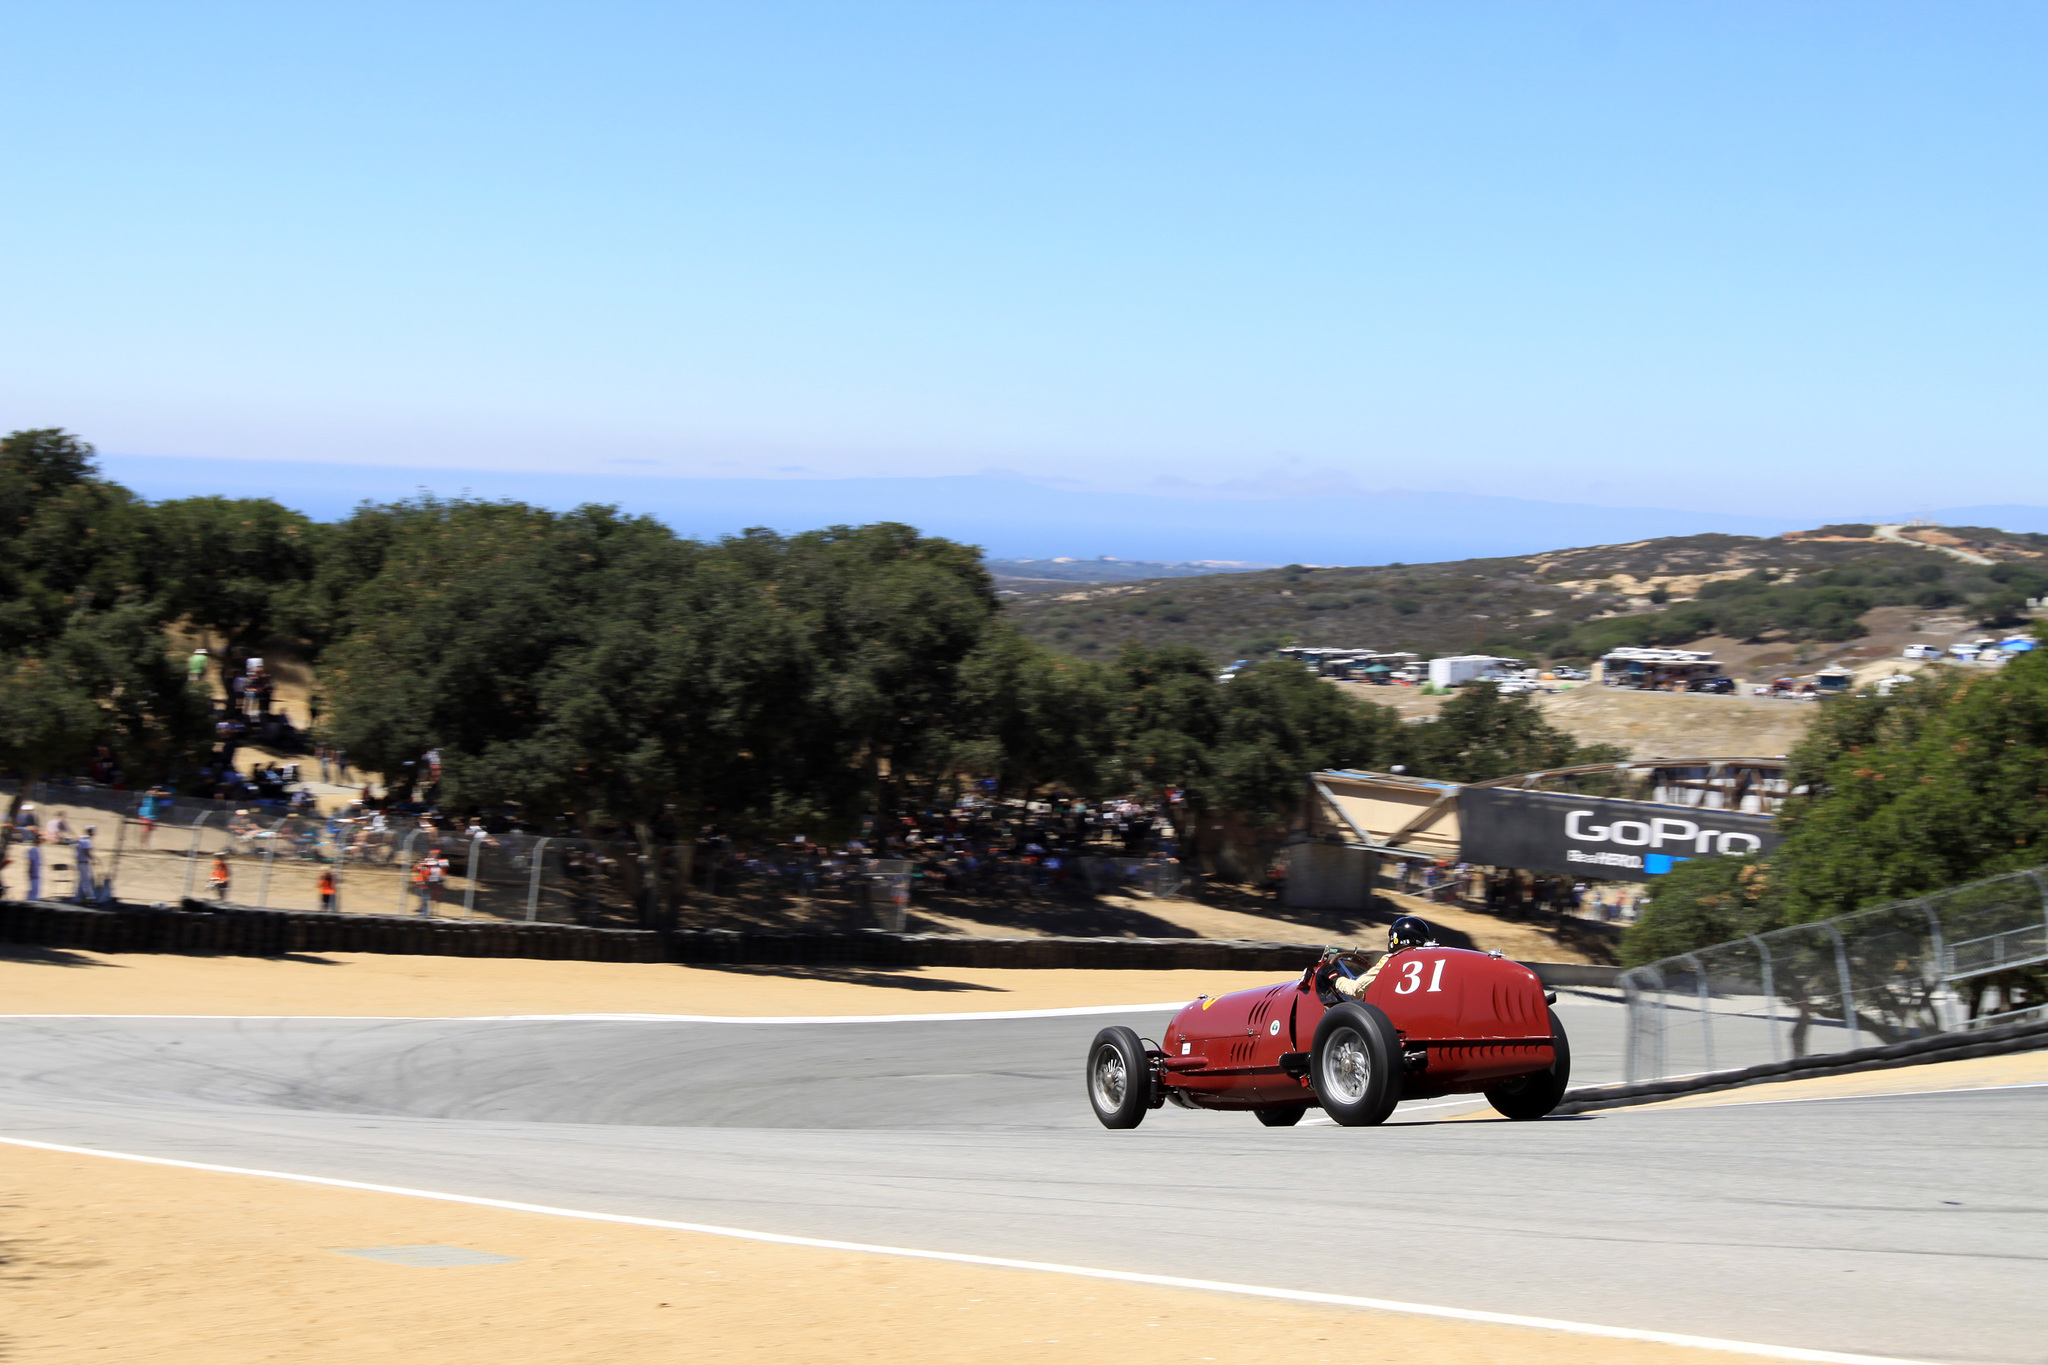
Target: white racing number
x=1411, y=977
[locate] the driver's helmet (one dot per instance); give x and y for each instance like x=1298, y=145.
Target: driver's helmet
x=1407, y=932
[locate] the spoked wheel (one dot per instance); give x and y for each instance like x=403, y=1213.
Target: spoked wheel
x=1534, y=1095
x=1119, y=1078
x=1280, y=1115
x=1355, y=1065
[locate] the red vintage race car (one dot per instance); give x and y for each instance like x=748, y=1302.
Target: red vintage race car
x=1425, y=1021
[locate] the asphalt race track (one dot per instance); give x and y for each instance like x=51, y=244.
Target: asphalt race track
x=1906, y=1226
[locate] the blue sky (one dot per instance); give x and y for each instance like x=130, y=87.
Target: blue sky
x=1733, y=258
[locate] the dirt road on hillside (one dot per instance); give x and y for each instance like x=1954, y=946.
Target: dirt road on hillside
x=1647, y=724
x=1679, y=724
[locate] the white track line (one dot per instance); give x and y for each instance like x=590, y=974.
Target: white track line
x=1067, y=1012
x=1006, y=1263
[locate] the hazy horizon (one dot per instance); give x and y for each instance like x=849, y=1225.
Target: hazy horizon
x=1015, y=518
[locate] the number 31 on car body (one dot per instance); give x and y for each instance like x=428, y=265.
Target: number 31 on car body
x=1411, y=978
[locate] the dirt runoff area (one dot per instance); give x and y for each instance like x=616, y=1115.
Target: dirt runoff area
x=382, y=985
x=116, y=1261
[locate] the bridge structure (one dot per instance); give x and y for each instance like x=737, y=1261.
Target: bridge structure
x=1357, y=820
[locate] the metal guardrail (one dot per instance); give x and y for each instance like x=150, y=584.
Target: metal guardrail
x=1971, y=957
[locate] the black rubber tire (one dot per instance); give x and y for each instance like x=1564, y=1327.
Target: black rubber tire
x=1355, y=1065
x=1533, y=1096
x=1280, y=1115
x=1118, y=1078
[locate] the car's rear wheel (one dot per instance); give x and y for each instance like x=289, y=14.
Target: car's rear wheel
x=1280, y=1115
x=1119, y=1078
x=1354, y=1065
x=1534, y=1095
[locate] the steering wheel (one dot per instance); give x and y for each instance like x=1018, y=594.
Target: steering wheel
x=1326, y=972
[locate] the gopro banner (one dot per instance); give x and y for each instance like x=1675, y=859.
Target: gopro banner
x=1595, y=836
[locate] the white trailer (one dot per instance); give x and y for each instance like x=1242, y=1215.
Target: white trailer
x=1454, y=669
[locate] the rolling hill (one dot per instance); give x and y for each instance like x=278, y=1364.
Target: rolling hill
x=1562, y=604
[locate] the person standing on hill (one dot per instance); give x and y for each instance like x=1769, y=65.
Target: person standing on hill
x=429, y=875
x=81, y=853
x=32, y=859
x=327, y=889
x=437, y=877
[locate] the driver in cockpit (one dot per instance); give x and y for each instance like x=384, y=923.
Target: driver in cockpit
x=1405, y=932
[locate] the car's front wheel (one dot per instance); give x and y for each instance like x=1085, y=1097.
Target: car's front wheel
x=1354, y=1065
x=1119, y=1078
x=1534, y=1095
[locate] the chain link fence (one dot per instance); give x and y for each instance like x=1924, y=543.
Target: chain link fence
x=148, y=849
x=1148, y=876
x=1967, y=958
x=156, y=851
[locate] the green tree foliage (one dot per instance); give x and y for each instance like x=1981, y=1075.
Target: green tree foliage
x=890, y=620
x=1480, y=734
x=1942, y=782
x=594, y=665
x=1242, y=748
x=1032, y=719
x=89, y=577
x=1945, y=781
x=469, y=638
x=2006, y=603
x=49, y=717
x=82, y=656
x=1702, y=901
x=36, y=466
x=68, y=541
x=1168, y=716
x=1279, y=723
x=239, y=568
x=1822, y=606
x=79, y=630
